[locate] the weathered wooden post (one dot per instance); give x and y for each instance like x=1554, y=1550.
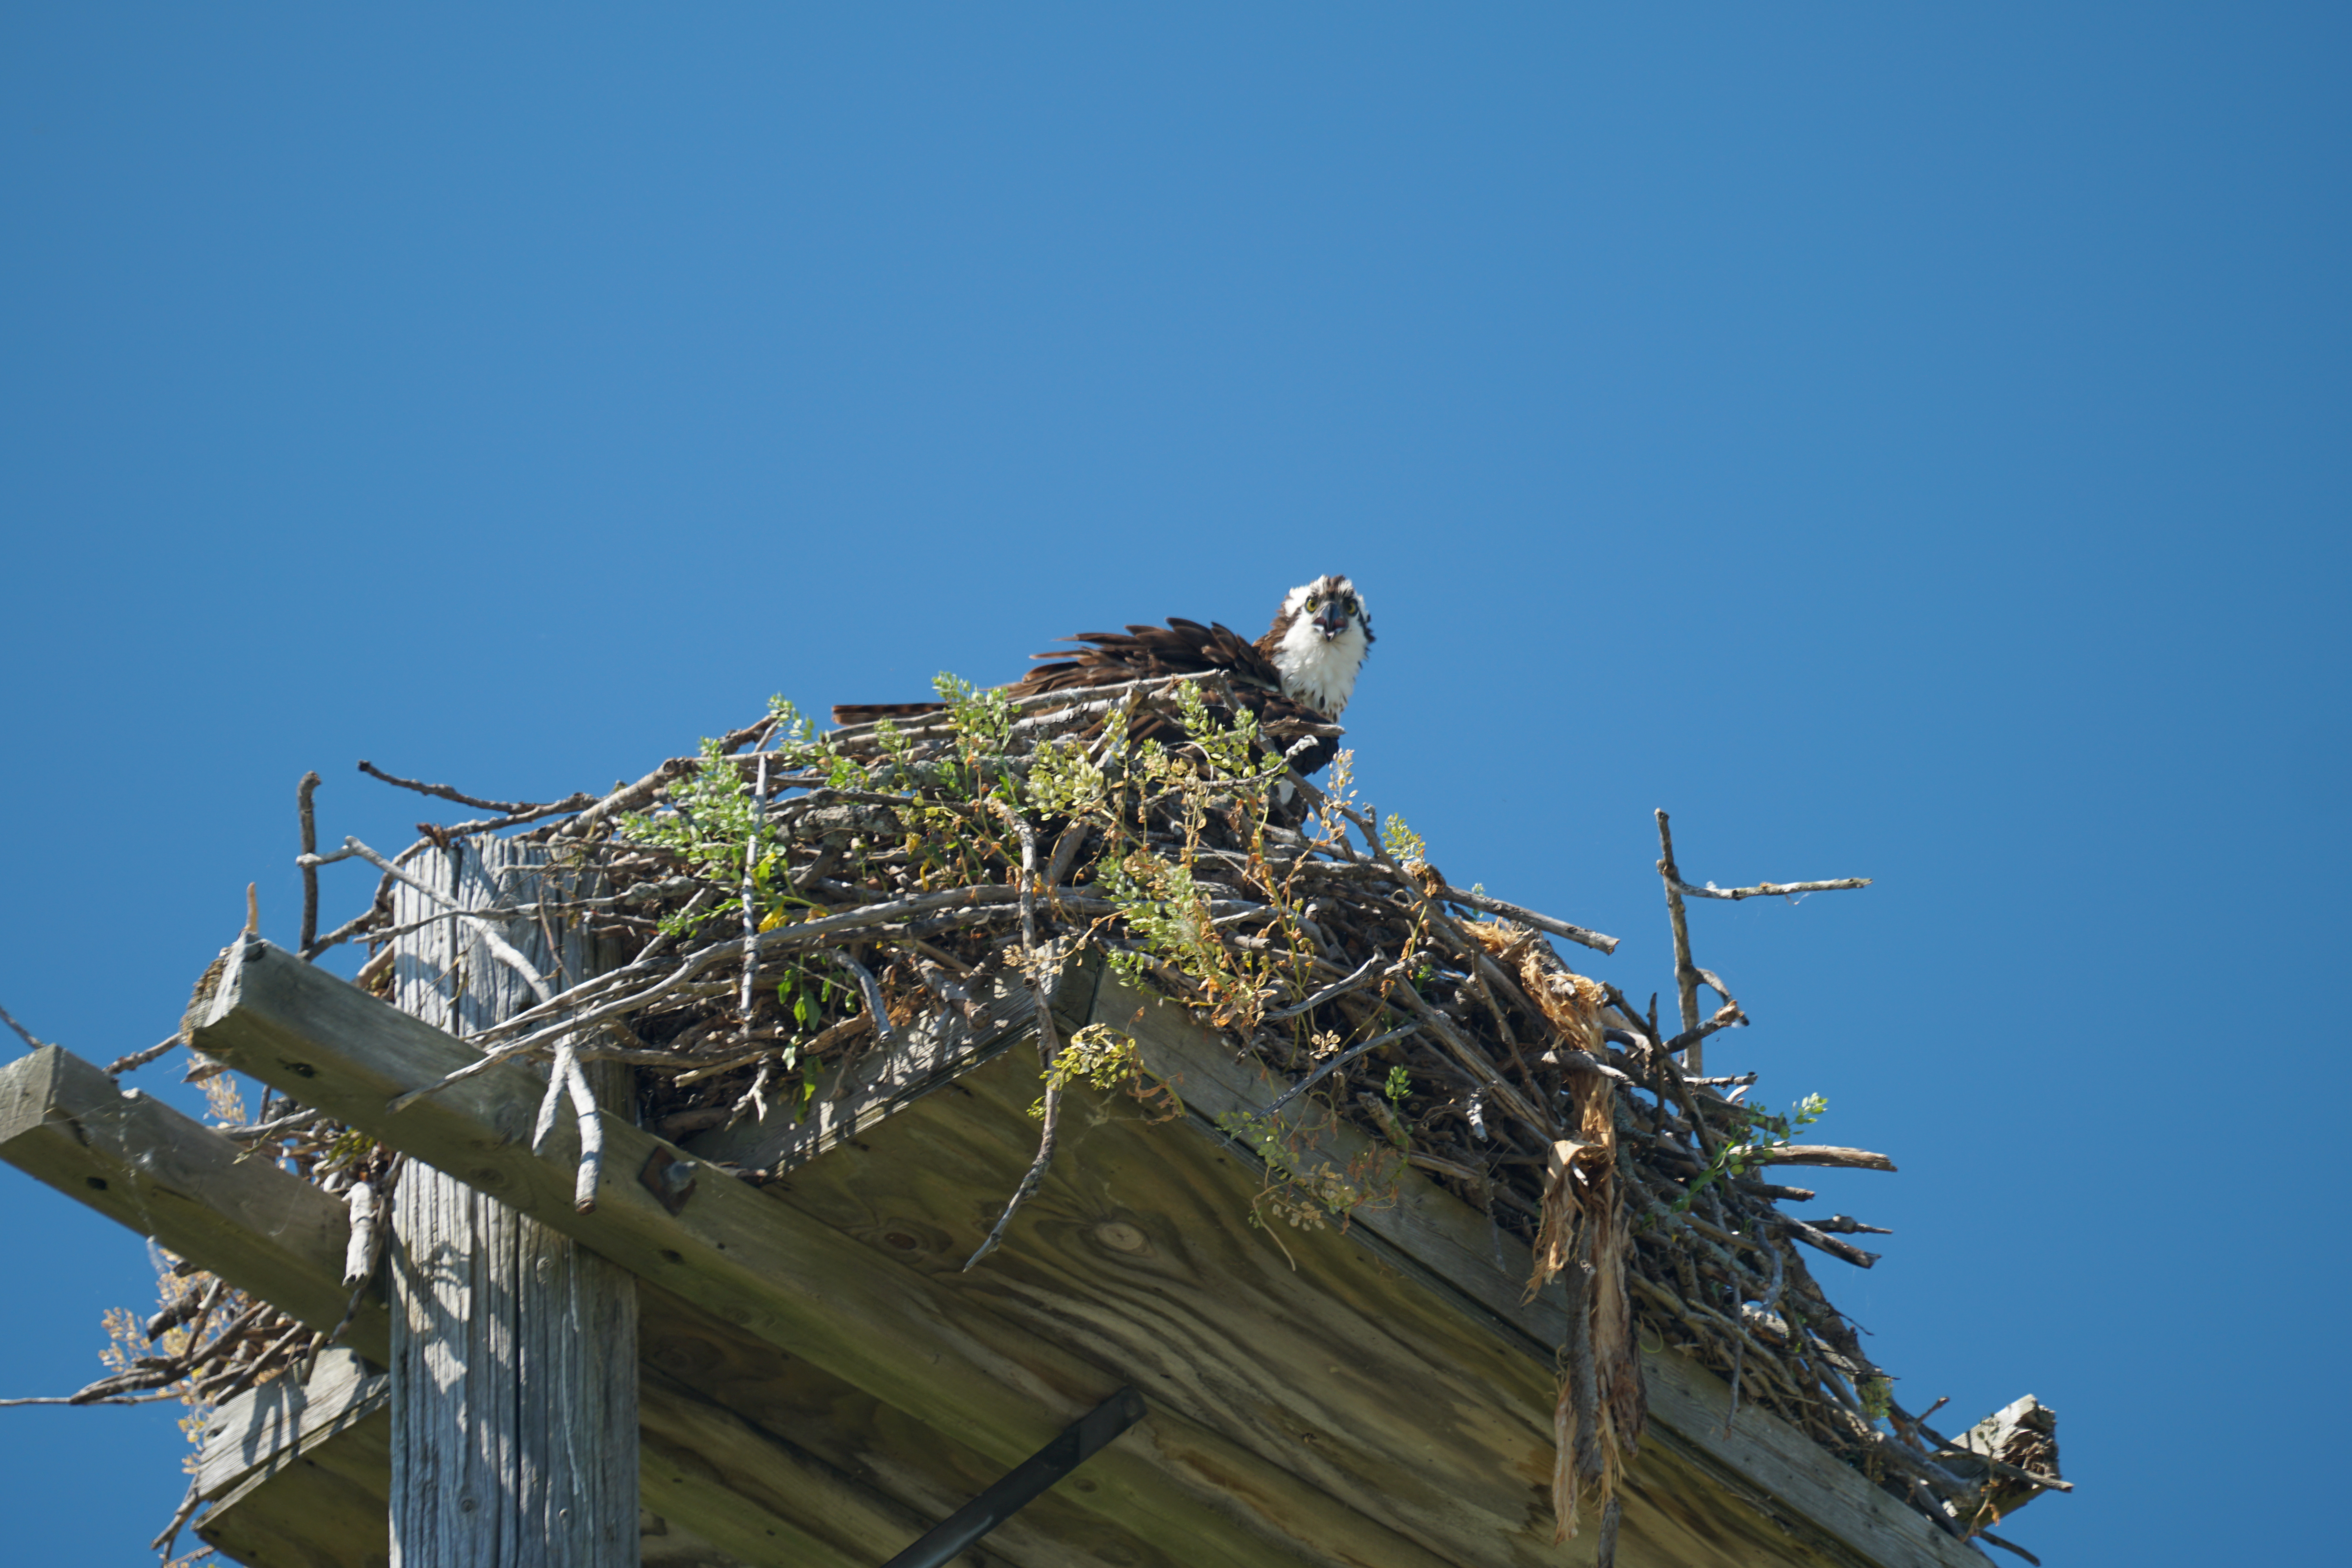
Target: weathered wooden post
x=514, y=1374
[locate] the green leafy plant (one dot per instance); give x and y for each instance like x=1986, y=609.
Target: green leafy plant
x=707, y=823
x=1762, y=1134
x=1303, y=1189
x=1405, y=846
x=1104, y=1057
x=709, y=818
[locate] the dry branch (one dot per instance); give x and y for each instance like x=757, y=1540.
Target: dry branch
x=1769, y=889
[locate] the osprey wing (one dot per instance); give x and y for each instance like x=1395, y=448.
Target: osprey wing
x=1113, y=658
x=1142, y=653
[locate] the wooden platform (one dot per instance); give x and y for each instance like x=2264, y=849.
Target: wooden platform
x=820, y=1380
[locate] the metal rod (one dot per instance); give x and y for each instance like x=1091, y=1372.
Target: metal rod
x=1080, y=1441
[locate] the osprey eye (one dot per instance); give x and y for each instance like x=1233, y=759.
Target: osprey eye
x=1350, y=606
x=1310, y=602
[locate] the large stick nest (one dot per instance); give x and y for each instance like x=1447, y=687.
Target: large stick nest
x=775, y=896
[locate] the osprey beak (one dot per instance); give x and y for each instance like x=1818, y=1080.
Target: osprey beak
x=1331, y=619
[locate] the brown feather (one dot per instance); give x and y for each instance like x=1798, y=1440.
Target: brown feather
x=1139, y=653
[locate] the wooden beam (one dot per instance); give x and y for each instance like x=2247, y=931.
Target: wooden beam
x=273, y=1235
x=1781, y=1476
x=795, y=1403
x=1762, y=1485
x=299, y=1474
x=302, y=1473
x=937, y=1048
x=268, y=1428
x=935, y=1353
x=160, y=1173
x=1137, y=1254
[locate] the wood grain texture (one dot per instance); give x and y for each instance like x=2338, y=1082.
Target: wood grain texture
x=1800, y=1498
x=272, y=1233
x=853, y=1434
x=265, y=1429
x=166, y=1176
x=934, y=1049
x=325, y=1503
x=514, y=1409
x=1387, y=1403
x=721, y=1485
x=310, y=1513
x=920, y=1344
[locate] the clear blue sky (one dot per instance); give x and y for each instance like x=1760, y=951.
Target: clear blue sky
x=1902, y=442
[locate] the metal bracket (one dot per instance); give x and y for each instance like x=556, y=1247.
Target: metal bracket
x=669, y=1179
x=1083, y=1438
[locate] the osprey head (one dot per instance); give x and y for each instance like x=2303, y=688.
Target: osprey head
x=1319, y=641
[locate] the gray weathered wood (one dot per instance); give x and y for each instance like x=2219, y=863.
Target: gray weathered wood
x=514, y=1409
x=935, y=1354
x=159, y=1173
x=303, y=1476
x=265, y=1429
x=1456, y=1250
x=877, y=1085
x=163, y=1175
x=1129, y=1265
x=323, y=1510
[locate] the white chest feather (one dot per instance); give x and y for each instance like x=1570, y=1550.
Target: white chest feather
x=1319, y=672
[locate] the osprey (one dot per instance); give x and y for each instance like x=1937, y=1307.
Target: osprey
x=1303, y=669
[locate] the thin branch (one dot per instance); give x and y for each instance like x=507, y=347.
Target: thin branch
x=591, y=1130
x=688, y=967
x=871, y=989
x=1772, y=1299
x=2009, y=1546
x=1823, y=1155
x=485, y=925
x=358, y=925
x=161, y=1544
x=1685, y=973
x=504, y=807
x=1727, y=1016
x=262, y=1132
x=306, y=812
x=121, y=1065
x=1355, y=982
x=550, y=1099
x=1482, y=1072
x=630, y=796
x=1526, y=917
x=536, y=814
x=751, y=890
x=1042, y=711
x=10, y=1019
x=1274, y=1107
x=1771, y=889
x=1040, y=968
